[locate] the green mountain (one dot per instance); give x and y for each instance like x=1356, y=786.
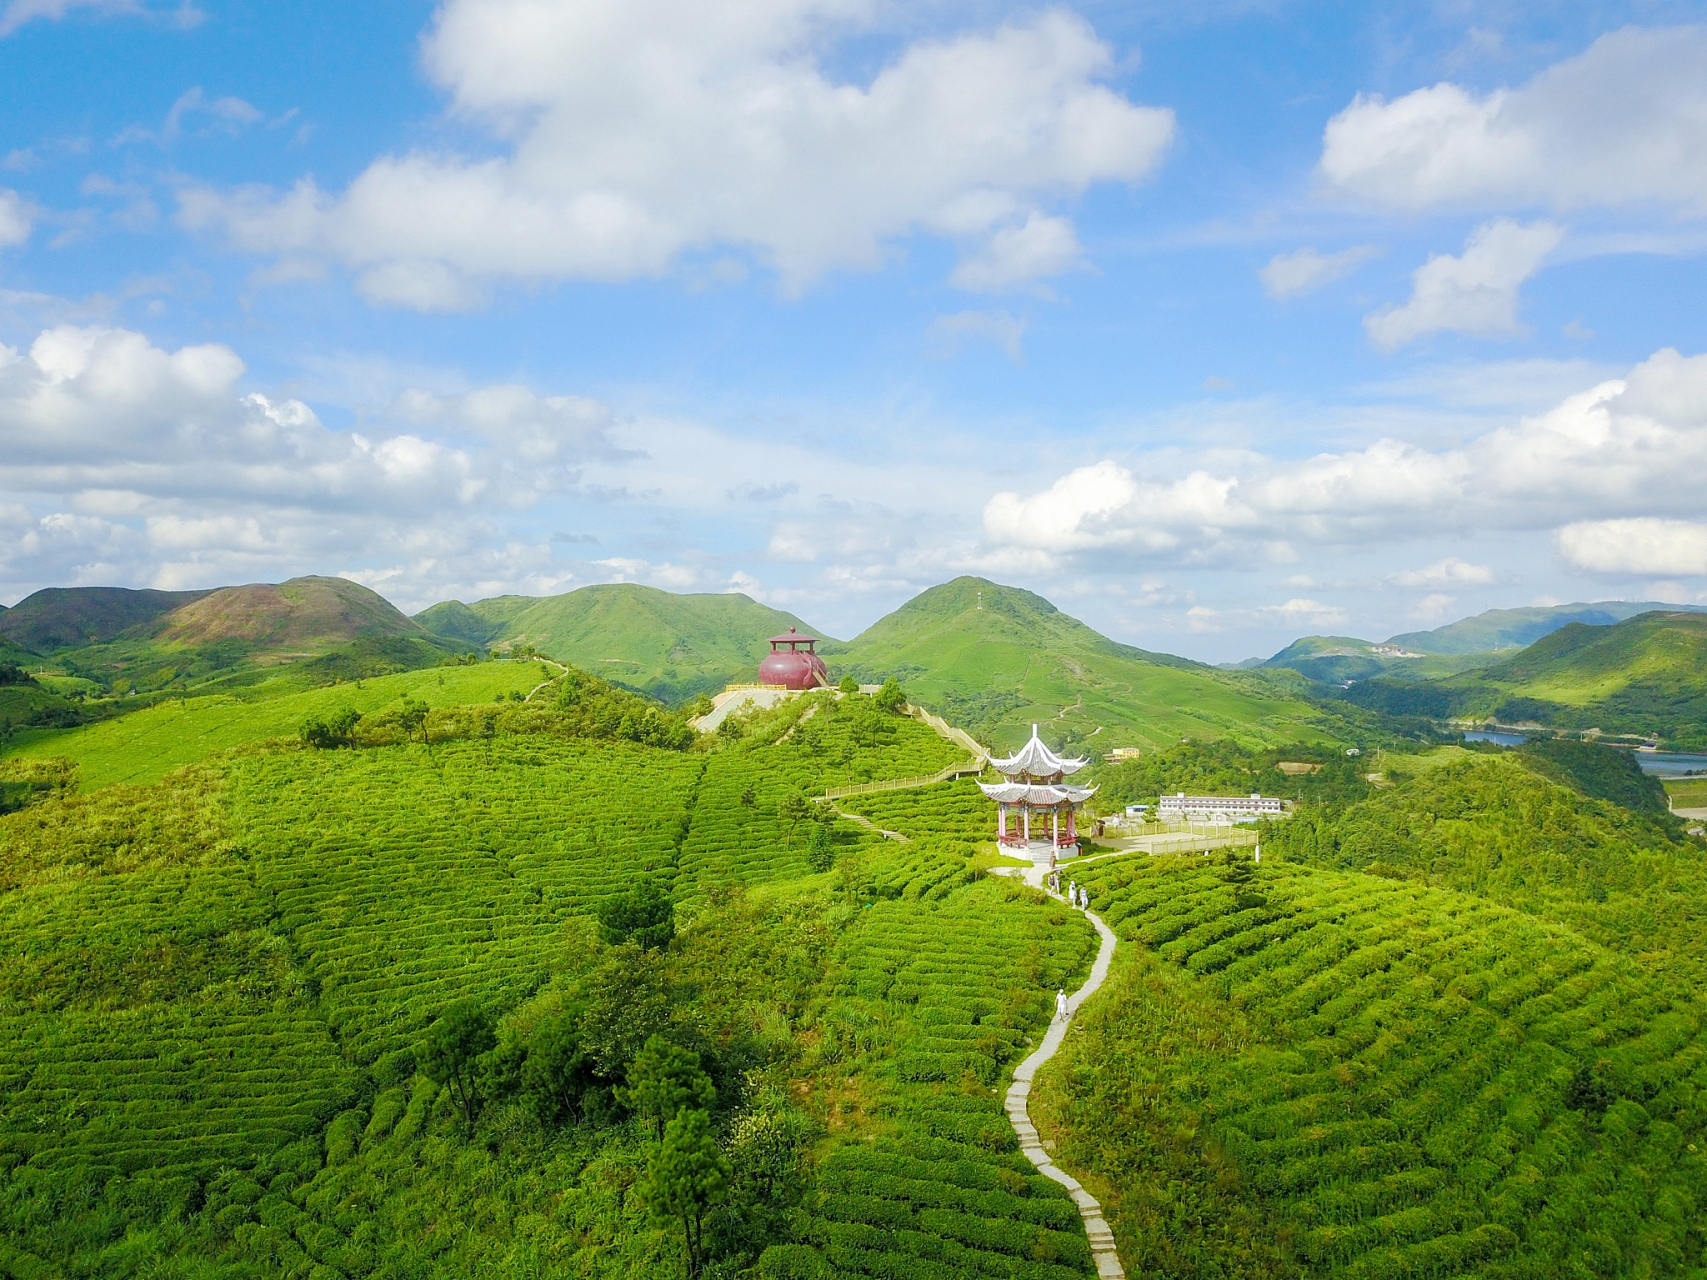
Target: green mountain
x=1642, y=676
x=997, y=659
x=1647, y=674
x=327, y=628
x=1343, y=659
x=300, y=616
x=667, y=645
x=69, y=617
x=1515, y=628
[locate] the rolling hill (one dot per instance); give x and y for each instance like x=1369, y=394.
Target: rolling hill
x=1644, y=676
x=667, y=645
x=297, y=617
x=997, y=659
x=147, y=643
x=1515, y=628
x=70, y=617
x=1341, y=659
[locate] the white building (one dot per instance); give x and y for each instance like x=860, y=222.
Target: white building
x=1183, y=808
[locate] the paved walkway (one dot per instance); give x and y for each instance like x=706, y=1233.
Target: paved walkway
x=1096, y=1229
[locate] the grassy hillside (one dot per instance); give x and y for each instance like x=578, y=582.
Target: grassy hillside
x=998, y=661
x=1307, y=1071
x=219, y=997
x=145, y=745
x=69, y=617
x=296, y=617
x=1642, y=676
x=1518, y=628
x=667, y=645
x=1338, y=659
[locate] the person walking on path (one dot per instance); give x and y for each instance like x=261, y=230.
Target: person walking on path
x=1060, y=1006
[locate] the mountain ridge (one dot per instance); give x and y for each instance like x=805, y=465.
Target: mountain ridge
x=667, y=644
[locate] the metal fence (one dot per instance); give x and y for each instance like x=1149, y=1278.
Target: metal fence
x=964, y=769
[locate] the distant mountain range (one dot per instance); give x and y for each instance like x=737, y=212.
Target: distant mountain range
x=995, y=659
x=1646, y=675
x=1469, y=642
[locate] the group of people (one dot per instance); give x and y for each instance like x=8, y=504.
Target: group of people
x=1080, y=897
x=1076, y=894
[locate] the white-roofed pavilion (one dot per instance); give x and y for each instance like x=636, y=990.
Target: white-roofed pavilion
x=1035, y=783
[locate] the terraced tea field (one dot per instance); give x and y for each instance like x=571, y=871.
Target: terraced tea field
x=955, y=808
x=408, y=877
x=1315, y=1070
x=939, y=991
x=736, y=835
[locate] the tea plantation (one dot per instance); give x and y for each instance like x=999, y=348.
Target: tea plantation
x=1305, y=1070
x=463, y=1000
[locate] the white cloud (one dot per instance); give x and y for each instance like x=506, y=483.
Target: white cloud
x=18, y=12
x=1432, y=608
x=1289, y=274
x=1640, y=545
x=1475, y=293
x=1020, y=253
x=165, y=469
x=631, y=131
x=1302, y=612
x=1624, y=123
x=1626, y=448
x=1450, y=572
x=14, y=218
x=227, y=115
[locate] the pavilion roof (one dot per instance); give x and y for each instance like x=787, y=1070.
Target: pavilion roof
x=1037, y=760
x=1038, y=793
x=791, y=636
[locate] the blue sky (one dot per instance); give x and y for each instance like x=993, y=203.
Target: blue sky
x=1217, y=324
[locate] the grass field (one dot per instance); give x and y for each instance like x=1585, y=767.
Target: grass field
x=143, y=746
x=1687, y=793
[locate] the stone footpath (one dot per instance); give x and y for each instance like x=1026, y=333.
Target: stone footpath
x=1096, y=1229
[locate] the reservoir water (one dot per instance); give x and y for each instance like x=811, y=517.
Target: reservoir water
x=1671, y=764
x=1662, y=764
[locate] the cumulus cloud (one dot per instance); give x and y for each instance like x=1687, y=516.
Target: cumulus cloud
x=14, y=218
x=1625, y=449
x=631, y=131
x=1622, y=124
x=1287, y=275
x=1434, y=607
x=166, y=469
x=1450, y=572
x=1639, y=545
x=1474, y=293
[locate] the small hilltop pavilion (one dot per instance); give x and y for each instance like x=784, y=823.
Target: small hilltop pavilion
x=1035, y=785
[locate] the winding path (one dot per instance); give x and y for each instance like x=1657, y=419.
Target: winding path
x=1096, y=1229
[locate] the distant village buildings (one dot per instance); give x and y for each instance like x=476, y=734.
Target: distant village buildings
x=1183, y=808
